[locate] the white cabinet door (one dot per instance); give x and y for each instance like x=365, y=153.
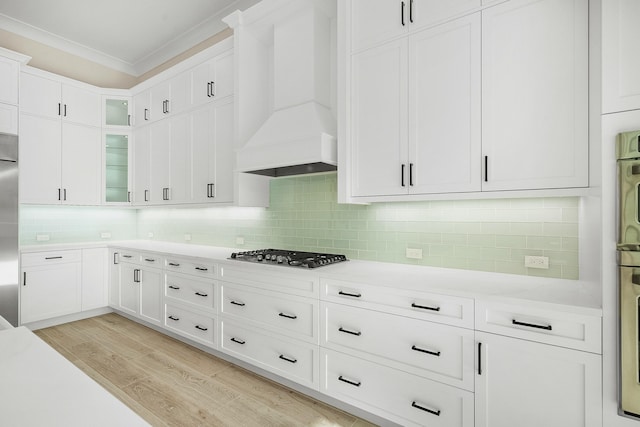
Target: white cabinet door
x=49, y=291
x=151, y=291
x=180, y=98
x=40, y=156
x=535, y=94
x=379, y=120
x=180, y=153
x=444, y=108
x=213, y=79
x=426, y=13
x=9, y=72
x=94, y=278
x=40, y=96
x=81, y=106
x=81, y=160
x=212, y=153
x=142, y=108
x=529, y=384
x=129, y=289
x=160, y=100
x=8, y=118
x=375, y=21
x=620, y=59
x=141, y=169
x=114, y=278
x=160, y=162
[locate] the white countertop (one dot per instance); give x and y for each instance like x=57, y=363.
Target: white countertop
x=39, y=387
x=568, y=295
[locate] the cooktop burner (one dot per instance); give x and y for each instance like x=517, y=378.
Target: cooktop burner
x=284, y=257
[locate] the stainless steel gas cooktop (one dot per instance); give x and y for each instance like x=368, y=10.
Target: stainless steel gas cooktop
x=285, y=257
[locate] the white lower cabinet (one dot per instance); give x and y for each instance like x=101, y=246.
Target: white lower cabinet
x=287, y=357
x=94, y=278
x=200, y=327
x=51, y=285
x=140, y=287
x=528, y=384
x=399, y=396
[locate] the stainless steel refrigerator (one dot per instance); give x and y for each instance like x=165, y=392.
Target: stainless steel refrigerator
x=9, y=272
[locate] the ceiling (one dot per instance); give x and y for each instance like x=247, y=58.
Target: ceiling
x=132, y=36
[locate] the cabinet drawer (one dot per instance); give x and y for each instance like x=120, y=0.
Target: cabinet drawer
x=150, y=260
x=53, y=257
x=190, y=266
x=303, y=283
x=450, y=310
x=123, y=255
x=191, y=325
x=189, y=290
x=295, y=316
x=399, y=396
x=440, y=352
x=581, y=332
x=284, y=356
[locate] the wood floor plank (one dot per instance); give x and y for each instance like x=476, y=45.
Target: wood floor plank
x=186, y=377
x=170, y=383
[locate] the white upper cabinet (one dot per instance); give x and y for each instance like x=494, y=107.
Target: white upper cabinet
x=117, y=111
x=141, y=159
x=535, y=94
x=379, y=114
x=212, y=154
x=620, y=59
x=49, y=98
x=142, y=108
x=9, y=72
x=375, y=21
x=416, y=113
x=213, y=79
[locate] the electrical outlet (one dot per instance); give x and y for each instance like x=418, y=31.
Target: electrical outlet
x=414, y=253
x=150, y=234
x=187, y=237
x=536, y=262
x=105, y=235
x=42, y=237
x=239, y=240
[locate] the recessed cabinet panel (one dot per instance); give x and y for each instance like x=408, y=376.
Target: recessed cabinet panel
x=141, y=157
x=81, y=179
x=379, y=117
x=40, y=96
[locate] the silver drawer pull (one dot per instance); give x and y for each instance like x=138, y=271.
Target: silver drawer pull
x=53, y=257
x=176, y=288
x=347, y=331
x=422, y=350
x=201, y=295
x=424, y=307
x=175, y=319
x=423, y=408
x=241, y=342
x=127, y=256
x=531, y=325
x=240, y=304
x=150, y=260
x=173, y=264
x=344, y=380
x=288, y=316
x=201, y=328
x=202, y=269
x=349, y=294
x=287, y=359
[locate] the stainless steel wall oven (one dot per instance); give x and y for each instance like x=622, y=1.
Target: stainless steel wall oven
x=628, y=155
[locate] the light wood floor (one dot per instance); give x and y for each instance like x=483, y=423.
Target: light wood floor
x=170, y=383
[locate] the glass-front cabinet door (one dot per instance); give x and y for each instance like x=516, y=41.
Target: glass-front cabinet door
x=117, y=111
x=117, y=171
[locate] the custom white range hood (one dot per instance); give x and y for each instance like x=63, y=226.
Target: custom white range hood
x=296, y=133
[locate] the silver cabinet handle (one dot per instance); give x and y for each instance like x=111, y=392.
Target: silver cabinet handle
x=173, y=264
x=175, y=288
x=402, y=14
x=422, y=350
x=288, y=359
x=146, y=195
x=115, y=257
x=238, y=341
x=239, y=304
x=347, y=331
x=425, y=307
x=175, y=319
x=24, y=278
x=211, y=191
x=146, y=114
x=424, y=408
x=354, y=383
x=53, y=257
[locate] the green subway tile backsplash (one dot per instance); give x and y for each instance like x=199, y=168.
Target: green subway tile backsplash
x=486, y=235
